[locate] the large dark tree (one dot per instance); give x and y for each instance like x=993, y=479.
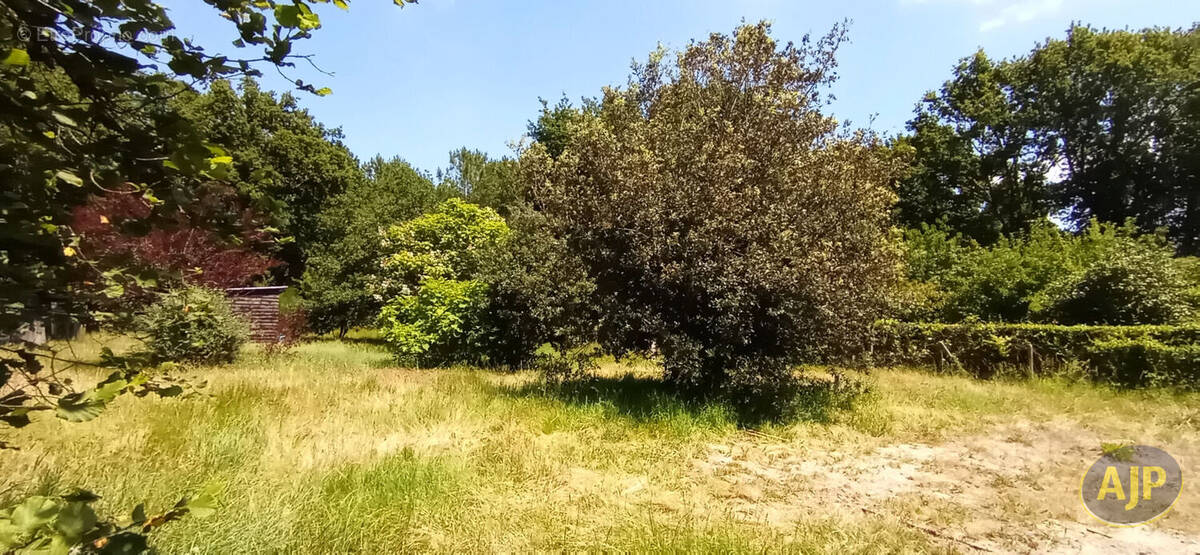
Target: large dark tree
x=1101, y=124
x=976, y=164
x=723, y=217
x=1118, y=110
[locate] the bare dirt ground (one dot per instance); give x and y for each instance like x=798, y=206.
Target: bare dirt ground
x=1011, y=490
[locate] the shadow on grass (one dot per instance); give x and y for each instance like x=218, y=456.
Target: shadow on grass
x=636, y=397
x=362, y=340
x=644, y=399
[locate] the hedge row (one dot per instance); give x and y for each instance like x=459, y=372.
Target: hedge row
x=1131, y=356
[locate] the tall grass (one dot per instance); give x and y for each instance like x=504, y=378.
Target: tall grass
x=331, y=449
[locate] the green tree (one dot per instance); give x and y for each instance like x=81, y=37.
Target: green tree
x=976, y=166
x=451, y=242
x=1118, y=110
x=722, y=217
x=484, y=181
x=1098, y=125
x=557, y=124
x=343, y=264
x=282, y=158
x=538, y=293
x=430, y=280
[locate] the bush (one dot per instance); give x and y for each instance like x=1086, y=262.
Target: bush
x=538, y=293
x=452, y=242
x=1132, y=285
x=292, y=326
x=1134, y=362
x=1107, y=274
x=442, y=323
x=193, y=325
x=435, y=307
x=566, y=365
x=722, y=217
x=986, y=350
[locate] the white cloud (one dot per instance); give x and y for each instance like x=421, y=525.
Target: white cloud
x=1022, y=11
x=999, y=13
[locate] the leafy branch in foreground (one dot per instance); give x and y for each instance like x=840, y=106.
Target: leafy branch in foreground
x=68, y=523
x=86, y=111
x=28, y=386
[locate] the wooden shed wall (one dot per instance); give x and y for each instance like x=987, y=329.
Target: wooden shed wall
x=262, y=311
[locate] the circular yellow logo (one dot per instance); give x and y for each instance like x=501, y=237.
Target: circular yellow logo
x=1131, y=485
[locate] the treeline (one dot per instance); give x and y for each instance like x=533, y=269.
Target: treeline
x=1100, y=124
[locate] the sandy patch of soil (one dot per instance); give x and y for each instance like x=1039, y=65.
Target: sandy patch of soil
x=1010, y=490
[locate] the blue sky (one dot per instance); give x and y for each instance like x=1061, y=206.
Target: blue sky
x=420, y=81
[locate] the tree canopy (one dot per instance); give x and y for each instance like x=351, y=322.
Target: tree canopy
x=723, y=218
x=1099, y=124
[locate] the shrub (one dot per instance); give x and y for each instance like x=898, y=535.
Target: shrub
x=1134, y=362
x=435, y=310
x=292, y=326
x=538, y=293
x=452, y=242
x=566, y=365
x=1132, y=285
x=986, y=349
x=441, y=323
x=722, y=216
x=1046, y=274
x=194, y=325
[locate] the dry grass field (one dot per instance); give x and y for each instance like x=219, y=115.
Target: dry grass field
x=331, y=448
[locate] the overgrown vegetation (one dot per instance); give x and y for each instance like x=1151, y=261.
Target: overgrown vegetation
x=711, y=219
x=1131, y=356
x=334, y=449
x=701, y=200
x=193, y=325
x=1106, y=275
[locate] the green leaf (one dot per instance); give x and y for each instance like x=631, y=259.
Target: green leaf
x=114, y=290
x=16, y=57
x=34, y=512
x=76, y=407
x=69, y=178
x=108, y=390
x=74, y=520
x=203, y=505
x=139, y=514
x=288, y=15
x=63, y=119
x=343, y=4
